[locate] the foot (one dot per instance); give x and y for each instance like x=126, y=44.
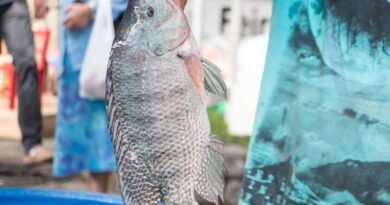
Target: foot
x=98, y=182
x=37, y=155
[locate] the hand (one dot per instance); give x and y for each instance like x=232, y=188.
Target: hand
x=40, y=8
x=77, y=16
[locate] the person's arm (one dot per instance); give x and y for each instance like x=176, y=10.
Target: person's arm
x=77, y=16
x=117, y=6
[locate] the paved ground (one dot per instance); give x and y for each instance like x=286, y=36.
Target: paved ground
x=14, y=174
x=9, y=127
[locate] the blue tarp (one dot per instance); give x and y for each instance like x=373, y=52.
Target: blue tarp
x=21, y=196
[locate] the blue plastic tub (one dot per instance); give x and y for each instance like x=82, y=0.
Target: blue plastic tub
x=21, y=196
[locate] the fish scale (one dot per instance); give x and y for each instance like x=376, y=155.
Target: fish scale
x=157, y=116
x=167, y=134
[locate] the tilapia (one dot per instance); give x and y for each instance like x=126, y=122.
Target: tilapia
x=157, y=83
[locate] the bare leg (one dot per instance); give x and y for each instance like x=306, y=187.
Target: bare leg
x=98, y=182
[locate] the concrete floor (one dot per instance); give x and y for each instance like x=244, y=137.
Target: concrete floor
x=14, y=174
x=9, y=127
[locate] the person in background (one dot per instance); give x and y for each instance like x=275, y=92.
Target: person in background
x=15, y=29
x=82, y=140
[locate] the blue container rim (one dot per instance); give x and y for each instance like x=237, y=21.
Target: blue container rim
x=36, y=194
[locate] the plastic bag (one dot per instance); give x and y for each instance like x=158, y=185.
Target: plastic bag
x=94, y=68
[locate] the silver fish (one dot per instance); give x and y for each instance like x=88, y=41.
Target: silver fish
x=156, y=89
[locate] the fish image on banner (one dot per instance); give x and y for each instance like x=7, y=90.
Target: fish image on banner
x=157, y=83
x=322, y=128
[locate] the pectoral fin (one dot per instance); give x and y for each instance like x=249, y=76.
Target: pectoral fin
x=212, y=79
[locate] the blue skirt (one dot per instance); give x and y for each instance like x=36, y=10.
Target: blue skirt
x=82, y=139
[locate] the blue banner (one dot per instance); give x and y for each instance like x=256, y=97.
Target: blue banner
x=322, y=128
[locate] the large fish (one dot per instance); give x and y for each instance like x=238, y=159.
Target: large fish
x=156, y=87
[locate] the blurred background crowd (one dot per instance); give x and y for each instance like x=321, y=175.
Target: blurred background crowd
x=42, y=116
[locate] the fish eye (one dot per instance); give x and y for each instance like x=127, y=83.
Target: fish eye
x=150, y=12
